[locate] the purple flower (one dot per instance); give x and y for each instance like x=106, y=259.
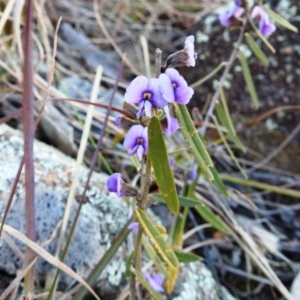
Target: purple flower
x=185, y=57
x=134, y=226
x=171, y=160
x=137, y=140
x=192, y=175
x=228, y=18
x=156, y=281
x=174, y=87
x=169, y=124
x=264, y=25
x=237, y=2
x=114, y=184
x=189, y=48
x=146, y=93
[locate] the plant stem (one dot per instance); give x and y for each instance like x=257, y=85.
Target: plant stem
x=138, y=245
x=145, y=185
x=28, y=123
x=158, y=53
x=229, y=64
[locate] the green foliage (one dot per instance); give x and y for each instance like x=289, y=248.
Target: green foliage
x=193, y=140
x=256, y=49
x=159, y=158
x=157, y=239
x=184, y=257
x=145, y=283
x=280, y=20
x=248, y=79
x=183, y=201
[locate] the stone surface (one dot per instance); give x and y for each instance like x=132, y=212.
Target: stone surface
x=103, y=215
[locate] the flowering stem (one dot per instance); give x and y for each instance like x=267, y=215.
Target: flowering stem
x=145, y=185
x=138, y=245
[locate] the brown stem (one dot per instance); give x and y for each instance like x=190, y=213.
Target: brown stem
x=28, y=124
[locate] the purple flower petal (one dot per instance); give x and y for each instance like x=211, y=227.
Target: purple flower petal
x=264, y=25
x=181, y=92
x=137, y=140
x=146, y=93
x=189, y=48
x=118, y=120
x=171, y=161
x=237, y=2
x=135, y=90
x=114, y=184
x=192, y=175
x=148, y=109
x=166, y=88
x=155, y=281
x=227, y=19
x=172, y=127
x=134, y=226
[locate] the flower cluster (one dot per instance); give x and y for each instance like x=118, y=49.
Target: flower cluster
x=143, y=98
x=150, y=94
x=232, y=17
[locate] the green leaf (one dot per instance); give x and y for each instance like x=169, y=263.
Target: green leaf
x=256, y=49
x=157, y=239
x=159, y=158
x=280, y=20
x=225, y=119
x=193, y=139
x=183, y=201
x=148, y=287
x=262, y=186
x=128, y=265
x=219, y=183
x=185, y=257
x=259, y=34
x=208, y=215
x=153, y=255
x=248, y=79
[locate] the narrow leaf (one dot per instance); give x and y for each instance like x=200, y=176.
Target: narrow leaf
x=145, y=283
x=208, y=215
x=261, y=186
x=183, y=201
x=248, y=79
x=159, y=158
x=259, y=34
x=194, y=141
x=157, y=239
x=184, y=257
x=256, y=49
x=225, y=119
x=155, y=258
x=170, y=284
x=280, y=20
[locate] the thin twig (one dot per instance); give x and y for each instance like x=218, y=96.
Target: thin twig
x=28, y=123
x=228, y=67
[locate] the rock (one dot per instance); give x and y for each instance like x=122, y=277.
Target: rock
x=102, y=217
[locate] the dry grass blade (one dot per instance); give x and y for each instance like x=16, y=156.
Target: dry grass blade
x=47, y=256
x=79, y=160
x=111, y=40
x=15, y=283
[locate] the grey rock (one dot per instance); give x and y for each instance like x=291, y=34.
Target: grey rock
x=91, y=54
x=78, y=88
x=102, y=217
